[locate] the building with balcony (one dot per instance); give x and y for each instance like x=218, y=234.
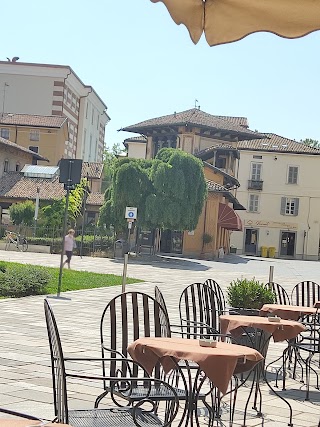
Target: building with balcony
x=213, y=139
x=56, y=90
x=279, y=187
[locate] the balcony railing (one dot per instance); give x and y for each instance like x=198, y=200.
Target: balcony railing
x=255, y=185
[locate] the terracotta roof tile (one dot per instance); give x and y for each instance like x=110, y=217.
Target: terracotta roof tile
x=7, y=143
x=195, y=117
x=278, y=144
x=215, y=187
x=139, y=138
x=13, y=185
x=32, y=120
x=205, y=154
x=95, y=199
x=92, y=170
x=231, y=179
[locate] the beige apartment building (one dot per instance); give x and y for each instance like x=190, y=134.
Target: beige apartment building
x=279, y=186
x=56, y=90
x=45, y=135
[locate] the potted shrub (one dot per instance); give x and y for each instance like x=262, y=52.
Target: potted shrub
x=247, y=296
x=206, y=238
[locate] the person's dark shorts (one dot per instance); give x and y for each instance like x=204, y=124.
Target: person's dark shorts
x=69, y=255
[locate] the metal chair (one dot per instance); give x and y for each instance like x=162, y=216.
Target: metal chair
x=218, y=291
x=199, y=309
x=305, y=293
x=281, y=294
x=121, y=384
x=308, y=342
x=174, y=329
x=19, y=415
x=126, y=318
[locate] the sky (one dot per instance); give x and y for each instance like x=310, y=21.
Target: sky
x=143, y=65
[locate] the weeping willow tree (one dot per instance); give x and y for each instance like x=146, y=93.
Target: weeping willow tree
x=168, y=191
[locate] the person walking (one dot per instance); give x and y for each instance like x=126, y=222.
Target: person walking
x=69, y=244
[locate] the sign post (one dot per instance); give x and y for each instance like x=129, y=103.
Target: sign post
x=70, y=176
x=131, y=216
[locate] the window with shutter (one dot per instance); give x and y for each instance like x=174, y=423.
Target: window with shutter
x=253, y=203
x=292, y=175
x=256, y=169
x=289, y=206
x=5, y=133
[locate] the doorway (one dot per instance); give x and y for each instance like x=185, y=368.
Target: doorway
x=171, y=241
x=288, y=243
x=251, y=241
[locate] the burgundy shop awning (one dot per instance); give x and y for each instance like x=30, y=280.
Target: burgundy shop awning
x=228, y=218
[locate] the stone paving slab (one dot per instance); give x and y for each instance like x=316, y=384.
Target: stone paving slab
x=25, y=373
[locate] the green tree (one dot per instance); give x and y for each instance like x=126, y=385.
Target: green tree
x=311, y=142
x=110, y=156
x=52, y=215
x=168, y=191
x=22, y=213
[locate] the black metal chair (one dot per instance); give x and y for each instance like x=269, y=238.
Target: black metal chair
x=305, y=293
x=218, y=291
x=19, y=415
x=309, y=342
x=121, y=384
x=199, y=309
x=126, y=318
x=174, y=329
x=281, y=294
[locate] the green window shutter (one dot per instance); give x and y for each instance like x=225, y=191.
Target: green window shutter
x=283, y=206
x=296, y=207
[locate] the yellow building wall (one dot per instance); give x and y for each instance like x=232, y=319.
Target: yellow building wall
x=51, y=141
x=208, y=223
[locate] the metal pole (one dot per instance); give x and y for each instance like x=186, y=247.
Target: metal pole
x=83, y=219
x=124, y=274
x=63, y=234
x=271, y=273
x=36, y=211
x=67, y=186
x=126, y=259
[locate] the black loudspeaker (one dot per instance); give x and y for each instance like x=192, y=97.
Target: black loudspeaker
x=70, y=172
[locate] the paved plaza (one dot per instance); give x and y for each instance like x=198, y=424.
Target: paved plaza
x=25, y=373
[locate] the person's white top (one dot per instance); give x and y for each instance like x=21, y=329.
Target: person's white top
x=68, y=243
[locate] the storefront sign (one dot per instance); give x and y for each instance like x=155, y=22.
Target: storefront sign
x=270, y=224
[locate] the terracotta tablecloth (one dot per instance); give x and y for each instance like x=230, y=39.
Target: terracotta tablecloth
x=218, y=363
x=281, y=331
x=11, y=422
x=291, y=312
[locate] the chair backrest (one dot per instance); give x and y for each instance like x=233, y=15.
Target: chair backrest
x=281, y=295
x=19, y=414
x=217, y=289
x=199, y=309
x=130, y=316
x=158, y=296
x=57, y=366
x=305, y=293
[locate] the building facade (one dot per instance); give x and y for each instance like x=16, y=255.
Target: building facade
x=45, y=135
x=214, y=140
x=279, y=186
x=55, y=90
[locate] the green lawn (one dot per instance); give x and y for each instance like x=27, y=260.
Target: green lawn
x=73, y=280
